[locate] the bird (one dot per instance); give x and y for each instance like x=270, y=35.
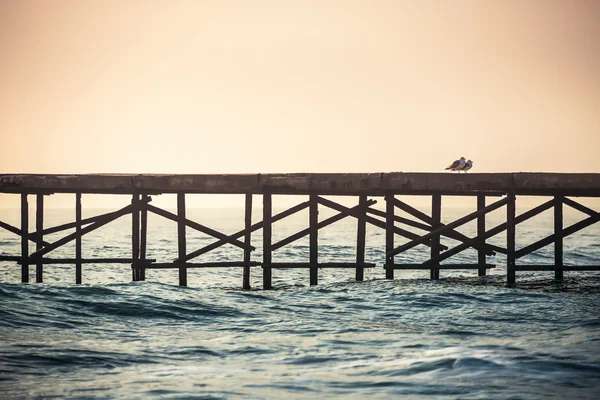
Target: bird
x=468, y=165
x=456, y=165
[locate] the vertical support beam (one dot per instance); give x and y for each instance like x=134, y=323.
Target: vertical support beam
x=389, y=236
x=267, y=230
x=436, y=219
x=558, y=241
x=510, y=239
x=314, y=239
x=361, y=233
x=143, y=235
x=247, y=241
x=481, y=257
x=24, y=238
x=135, y=235
x=78, y=264
x=39, y=227
x=181, y=237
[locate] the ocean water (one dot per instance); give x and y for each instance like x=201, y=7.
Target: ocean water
x=462, y=337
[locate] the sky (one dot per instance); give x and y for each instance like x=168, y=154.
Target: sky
x=298, y=86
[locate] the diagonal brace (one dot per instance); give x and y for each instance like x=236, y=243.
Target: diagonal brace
x=98, y=224
x=373, y=221
x=199, y=227
x=322, y=224
x=448, y=227
x=489, y=248
x=32, y=237
x=254, y=227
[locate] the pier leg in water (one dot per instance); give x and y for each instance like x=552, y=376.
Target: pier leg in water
x=360, y=237
x=247, y=241
x=39, y=227
x=389, y=236
x=78, y=264
x=558, y=238
x=314, y=239
x=481, y=257
x=267, y=228
x=510, y=240
x=24, y=238
x=143, y=235
x=181, y=237
x=436, y=217
x=135, y=235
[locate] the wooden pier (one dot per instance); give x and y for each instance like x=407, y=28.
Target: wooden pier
x=502, y=189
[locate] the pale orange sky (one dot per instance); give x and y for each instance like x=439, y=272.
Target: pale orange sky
x=299, y=86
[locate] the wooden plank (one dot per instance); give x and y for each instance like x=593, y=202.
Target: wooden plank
x=558, y=239
x=375, y=184
x=181, y=240
x=442, y=266
x=361, y=233
x=550, y=268
x=481, y=254
x=78, y=252
x=342, y=265
x=510, y=240
x=239, y=234
x=450, y=226
x=198, y=227
x=114, y=260
x=267, y=231
x=247, y=241
x=10, y=258
x=24, y=239
x=178, y=266
x=314, y=238
x=436, y=219
x=39, y=226
x=389, y=236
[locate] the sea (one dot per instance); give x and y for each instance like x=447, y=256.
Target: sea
x=460, y=337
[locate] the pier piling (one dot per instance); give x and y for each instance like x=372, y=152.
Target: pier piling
x=39, y=239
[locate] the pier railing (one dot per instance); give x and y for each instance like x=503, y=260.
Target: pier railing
x=392, y=187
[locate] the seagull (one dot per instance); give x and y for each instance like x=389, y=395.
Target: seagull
x=468, y=165
x=457, y=165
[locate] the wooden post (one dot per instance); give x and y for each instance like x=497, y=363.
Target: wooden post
x=181, y=237
x=143, y=236
x=78, y=264
x=360, y=237
x=481, y=257
x=314, y=239
x=267, y=229
x=558, y=241
x=389, y=236
x=436, y=219
x=247, y=241
x=24, y=238
x=510, y=240
x=135, y=235
x=39, y=227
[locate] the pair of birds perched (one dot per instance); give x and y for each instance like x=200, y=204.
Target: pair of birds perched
x=460, y=165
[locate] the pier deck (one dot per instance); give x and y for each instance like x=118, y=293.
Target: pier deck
x=391, y=186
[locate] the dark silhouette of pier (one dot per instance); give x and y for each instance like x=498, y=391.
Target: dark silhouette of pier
x=493, y=191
